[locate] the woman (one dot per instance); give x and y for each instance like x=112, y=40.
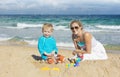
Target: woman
x=85, y=43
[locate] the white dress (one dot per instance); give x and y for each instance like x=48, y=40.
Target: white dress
x=97, y=52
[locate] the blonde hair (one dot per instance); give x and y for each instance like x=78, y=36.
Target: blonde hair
x=78, y=22
x=47, y=26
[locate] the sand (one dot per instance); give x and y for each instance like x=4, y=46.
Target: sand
x=23, y=61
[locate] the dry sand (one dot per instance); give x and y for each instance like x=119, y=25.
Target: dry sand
x=23, y=61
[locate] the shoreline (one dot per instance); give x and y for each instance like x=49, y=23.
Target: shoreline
x=109, y=48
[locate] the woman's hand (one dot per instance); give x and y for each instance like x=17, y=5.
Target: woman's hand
x=74, y=52
x=78, y=51
x=76, y=40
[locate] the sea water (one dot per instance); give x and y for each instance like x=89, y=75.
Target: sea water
x=105, y=28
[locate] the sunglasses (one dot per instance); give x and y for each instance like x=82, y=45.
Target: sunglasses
x=74, y=28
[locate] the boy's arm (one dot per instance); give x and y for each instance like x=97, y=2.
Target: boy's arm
x=40, y=46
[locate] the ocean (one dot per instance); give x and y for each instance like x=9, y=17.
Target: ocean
x=105, y=28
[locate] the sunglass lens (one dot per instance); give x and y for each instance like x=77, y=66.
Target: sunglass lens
x=74, y=28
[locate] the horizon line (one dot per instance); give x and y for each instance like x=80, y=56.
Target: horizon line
x=60, y=14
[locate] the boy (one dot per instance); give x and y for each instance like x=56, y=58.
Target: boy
x=47, y=44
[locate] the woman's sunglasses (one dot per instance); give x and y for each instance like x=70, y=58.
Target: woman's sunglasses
x=74, y=28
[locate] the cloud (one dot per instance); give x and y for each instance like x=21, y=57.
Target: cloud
x=52, y=3
x=58, y=5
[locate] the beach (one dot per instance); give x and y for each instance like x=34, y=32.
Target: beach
x=19, y=56
x=20, y=60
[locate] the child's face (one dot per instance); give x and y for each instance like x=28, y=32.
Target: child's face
x=47, y=32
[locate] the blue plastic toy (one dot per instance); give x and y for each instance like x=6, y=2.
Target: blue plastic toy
x=77, y=61
x=74, y=63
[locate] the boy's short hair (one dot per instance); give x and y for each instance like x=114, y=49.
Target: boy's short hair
x=47, y=26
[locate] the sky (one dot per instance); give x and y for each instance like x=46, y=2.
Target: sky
x=60, y=7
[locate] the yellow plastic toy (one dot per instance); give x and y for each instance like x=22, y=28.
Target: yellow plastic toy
x=45, y=68
x=56, y=69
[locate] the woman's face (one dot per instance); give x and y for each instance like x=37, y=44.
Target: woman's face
x=75, y=28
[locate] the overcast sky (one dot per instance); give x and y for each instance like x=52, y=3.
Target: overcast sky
x=59, y=6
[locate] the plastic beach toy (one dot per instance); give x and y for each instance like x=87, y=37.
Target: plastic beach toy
x=56, y=69
x=45, y=68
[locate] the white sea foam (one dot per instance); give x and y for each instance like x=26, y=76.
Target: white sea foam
x=4, y=38
x=31, y=42
x=60, y=44
x=23, y=25
x=63, y=44
x=60, y=28
x=108, y=27
x=96, y=28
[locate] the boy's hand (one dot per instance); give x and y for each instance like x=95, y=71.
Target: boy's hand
x=53, y=53
x=48, y=55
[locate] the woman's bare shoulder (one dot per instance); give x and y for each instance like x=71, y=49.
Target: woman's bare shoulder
x=87, y=34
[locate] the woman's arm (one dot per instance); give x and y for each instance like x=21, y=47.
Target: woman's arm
x=88, y=43
x=75, y=41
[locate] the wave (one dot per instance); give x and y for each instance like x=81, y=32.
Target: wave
x=35, y=42
x=91, y=28
x=4, y=37
x=108, y=27
x=60, y=28
x=63, y=44
x=32, y=41
x=24, y=25
x=59, y=44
